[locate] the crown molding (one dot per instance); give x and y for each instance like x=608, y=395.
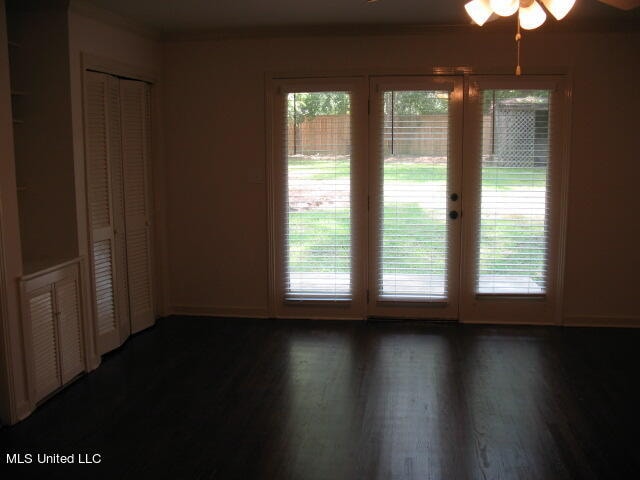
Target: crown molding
x=86, y=9
x=284, y=31
x=500, y=26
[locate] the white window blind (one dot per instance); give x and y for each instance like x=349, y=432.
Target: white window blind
x=514, y=213
x=414, y=227
x=318, y=196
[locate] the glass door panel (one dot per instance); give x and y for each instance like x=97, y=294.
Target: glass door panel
x=513, y=219
x=317, y=200
x=512, y=251
x=318, y=204
x=415, y=196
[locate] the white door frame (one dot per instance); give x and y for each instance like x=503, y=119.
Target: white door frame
x=470, y=308
x=277, y=91
x=437, y=309
x=524, y=309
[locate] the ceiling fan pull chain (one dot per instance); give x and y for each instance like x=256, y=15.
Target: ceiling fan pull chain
x=518, y=38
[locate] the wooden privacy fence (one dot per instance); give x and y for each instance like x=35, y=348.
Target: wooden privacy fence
x=323, y=135
x=411, y=135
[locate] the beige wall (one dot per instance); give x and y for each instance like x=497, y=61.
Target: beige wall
x=215, y=154
x=603, y=258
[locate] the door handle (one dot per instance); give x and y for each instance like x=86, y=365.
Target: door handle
x=453, y=214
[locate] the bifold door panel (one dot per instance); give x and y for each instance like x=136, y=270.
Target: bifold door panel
x=117, y=146
x=99, y=116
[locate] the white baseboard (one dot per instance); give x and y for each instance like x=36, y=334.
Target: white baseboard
x=224, y=311
x=612, y=321
x=584, y=320
x=508, y=322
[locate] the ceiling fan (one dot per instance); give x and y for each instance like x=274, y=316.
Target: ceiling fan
x=531, y=13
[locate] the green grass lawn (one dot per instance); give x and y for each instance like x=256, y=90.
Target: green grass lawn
x=512, y=247
x=408, y=240
x=492, y=177
x=313, y=234
x=320, y=238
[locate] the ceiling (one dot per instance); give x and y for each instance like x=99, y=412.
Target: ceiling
x=198, y=15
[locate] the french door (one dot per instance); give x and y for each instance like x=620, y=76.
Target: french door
x=318, y=199
x=417, y=197
x=415, y=142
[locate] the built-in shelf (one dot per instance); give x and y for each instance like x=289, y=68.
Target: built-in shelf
x=13, y=44
x=17, y=121
x=19, y=93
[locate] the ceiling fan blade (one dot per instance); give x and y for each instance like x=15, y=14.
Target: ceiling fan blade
x=622, y=4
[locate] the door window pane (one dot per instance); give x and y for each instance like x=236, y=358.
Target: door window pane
x=318, y=209
x=414, y=226
x=514, y=194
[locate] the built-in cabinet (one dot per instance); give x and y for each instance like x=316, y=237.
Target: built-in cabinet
x=73, y=298
x=53, y=333
x=117, y=151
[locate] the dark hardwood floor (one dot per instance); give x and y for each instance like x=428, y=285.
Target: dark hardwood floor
x=211, y=398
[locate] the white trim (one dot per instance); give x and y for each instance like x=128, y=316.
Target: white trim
x=219, y=311
x=605, y=321
x=508, y=321
x=563, y=197
x=424, y=70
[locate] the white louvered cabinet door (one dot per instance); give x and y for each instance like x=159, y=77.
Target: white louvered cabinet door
x=42, y=320
x=70, y=332
x=100, y=205
x=135, y=119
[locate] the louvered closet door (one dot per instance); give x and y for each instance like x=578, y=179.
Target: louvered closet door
x=135, y=119
x=117, y=195
x=42, y=320
x=100, y=205
x=70, y=333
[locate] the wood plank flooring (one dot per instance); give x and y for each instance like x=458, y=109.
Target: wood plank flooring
x=200, y=398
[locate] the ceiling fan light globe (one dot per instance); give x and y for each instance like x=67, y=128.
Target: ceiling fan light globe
x=504, y=8
x=479, y=11
x=532, y=16
x=559, y=8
